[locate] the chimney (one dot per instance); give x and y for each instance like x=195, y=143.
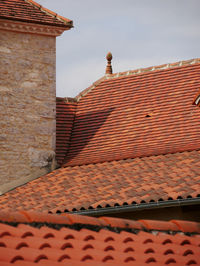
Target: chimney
x=27, y=92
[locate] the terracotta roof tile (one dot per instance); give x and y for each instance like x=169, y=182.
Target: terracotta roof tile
x=130, y=181
x=125, y=223
x=129, y=115
x=65, y=114
x=30, y=11
x=137, y=113
x=53, y=244
x=187, y=226
x=160, y=225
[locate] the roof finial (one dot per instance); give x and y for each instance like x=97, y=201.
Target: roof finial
x=109, y=66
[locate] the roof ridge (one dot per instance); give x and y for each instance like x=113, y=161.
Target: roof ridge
x=137, y=72
x=155, y=68
x=70, y=219
x=48, y=12
x=87, y=90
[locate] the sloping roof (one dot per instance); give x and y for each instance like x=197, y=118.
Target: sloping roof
x=134, y=139
x=65, y=112
x=30, y=238
x=30, y=11
x=131, y=181
x=136, y=114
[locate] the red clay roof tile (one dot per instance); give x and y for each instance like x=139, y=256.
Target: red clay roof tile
x=65, y=114
x=159, y=225
x=125, y=223
x=84, y=219
x=187, y=226
x=33, y=216
x=128, y=115
x=13, y=217
x=27, y=245
x=133, y=181
x=132, y=115
x=30, y=11
x=136, y=114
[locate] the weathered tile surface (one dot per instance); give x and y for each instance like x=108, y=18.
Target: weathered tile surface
x=132, y=180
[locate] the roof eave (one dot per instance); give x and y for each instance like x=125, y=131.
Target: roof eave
x=33, y=28
x=65, y=26
x=139, y=207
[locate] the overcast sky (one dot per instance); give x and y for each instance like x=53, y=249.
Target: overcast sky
x=139, y=33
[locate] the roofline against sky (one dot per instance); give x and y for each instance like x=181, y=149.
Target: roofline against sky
x=139, y=207
x=66, y=21
x=136, y=72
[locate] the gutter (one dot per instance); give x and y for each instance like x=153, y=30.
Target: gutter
x=138, y=207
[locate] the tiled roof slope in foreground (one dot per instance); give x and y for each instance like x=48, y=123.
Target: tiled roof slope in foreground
x=129, y=181
x=32, y=12
x=137, y=113
x=28, y=238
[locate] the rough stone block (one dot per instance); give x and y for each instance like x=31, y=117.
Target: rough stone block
x=27, y=110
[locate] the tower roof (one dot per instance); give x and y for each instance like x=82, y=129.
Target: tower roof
x=32, y=12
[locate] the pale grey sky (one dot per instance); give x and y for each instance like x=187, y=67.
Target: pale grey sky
x=139, y=33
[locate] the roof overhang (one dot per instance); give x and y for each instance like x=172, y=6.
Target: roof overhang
x=139, y=207
x=26, y=27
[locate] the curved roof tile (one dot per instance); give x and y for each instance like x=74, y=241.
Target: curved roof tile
x=106, y=184
x=51, y=243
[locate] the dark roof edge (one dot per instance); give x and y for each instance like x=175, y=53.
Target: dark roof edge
x=68, y=25
x=138, y=207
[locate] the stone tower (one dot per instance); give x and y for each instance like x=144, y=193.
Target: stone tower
x=27, y=90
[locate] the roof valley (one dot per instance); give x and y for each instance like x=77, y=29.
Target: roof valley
x=71, y=132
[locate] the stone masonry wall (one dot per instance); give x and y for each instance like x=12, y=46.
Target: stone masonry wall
x=27, y=107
